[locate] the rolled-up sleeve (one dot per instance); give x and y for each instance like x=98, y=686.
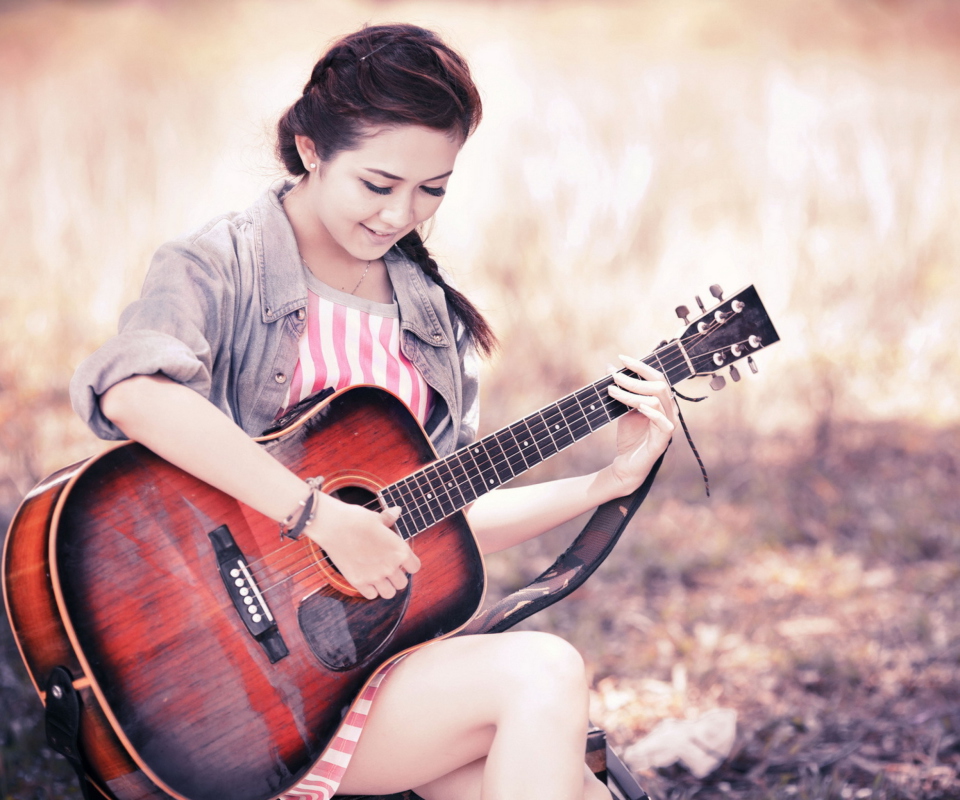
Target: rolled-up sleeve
x=174, y=328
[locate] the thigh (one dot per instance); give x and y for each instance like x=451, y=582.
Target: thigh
x=437, y=711
x=466, y=783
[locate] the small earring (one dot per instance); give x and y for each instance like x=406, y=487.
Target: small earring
x=312, y=165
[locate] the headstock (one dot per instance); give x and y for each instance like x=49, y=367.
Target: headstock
x=732, y=330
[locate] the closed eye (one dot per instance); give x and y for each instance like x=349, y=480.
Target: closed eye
x=376, y=189
x=434, y=191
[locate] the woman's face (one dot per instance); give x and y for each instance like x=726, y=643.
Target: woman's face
x=366, y=199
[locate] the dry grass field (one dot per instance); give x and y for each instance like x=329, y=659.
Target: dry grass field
x=632, y=154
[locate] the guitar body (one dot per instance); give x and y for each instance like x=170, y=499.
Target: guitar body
x=111, y=571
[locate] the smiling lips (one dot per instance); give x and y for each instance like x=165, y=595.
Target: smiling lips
x=377, y=236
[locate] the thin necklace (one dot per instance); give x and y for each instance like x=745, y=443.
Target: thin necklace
x=366, y=269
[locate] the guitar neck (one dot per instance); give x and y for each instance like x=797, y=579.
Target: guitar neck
x=452, y=483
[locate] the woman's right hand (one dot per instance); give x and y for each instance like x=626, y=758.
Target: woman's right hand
x=370, y=555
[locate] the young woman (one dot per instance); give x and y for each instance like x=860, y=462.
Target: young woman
x=325, y=282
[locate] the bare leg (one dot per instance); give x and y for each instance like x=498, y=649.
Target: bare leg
x=511, y=707
x=466, y=783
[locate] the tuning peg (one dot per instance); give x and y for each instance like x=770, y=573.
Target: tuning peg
x=717, y=382
x=683, y=312
x=717, y=292
x=734, y=373
x=699, y=302
x=753, y=365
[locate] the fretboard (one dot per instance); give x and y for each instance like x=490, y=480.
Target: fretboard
x=452, y=483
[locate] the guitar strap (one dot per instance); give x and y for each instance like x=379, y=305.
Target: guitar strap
x=62, y=719
x=578, y=562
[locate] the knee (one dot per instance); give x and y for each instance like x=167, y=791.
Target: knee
x=594, y=789
x=545, y=666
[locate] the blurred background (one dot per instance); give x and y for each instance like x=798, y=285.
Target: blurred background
x=632, y=154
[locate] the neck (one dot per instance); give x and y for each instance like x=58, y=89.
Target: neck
x=321, y=254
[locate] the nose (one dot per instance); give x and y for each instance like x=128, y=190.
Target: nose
x=398, y=211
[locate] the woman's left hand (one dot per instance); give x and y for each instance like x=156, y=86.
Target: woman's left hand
x=644, y=435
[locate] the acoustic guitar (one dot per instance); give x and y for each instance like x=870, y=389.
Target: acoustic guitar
x=215, y=659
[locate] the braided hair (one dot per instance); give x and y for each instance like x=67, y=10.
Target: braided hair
x=388, y=75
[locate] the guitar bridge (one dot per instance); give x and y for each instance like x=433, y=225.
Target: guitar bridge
x=245, y=594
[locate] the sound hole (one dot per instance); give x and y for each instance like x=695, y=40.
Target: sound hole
x=344, y=632
x=357, y=496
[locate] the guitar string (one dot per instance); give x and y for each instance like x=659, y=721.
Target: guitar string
x=496, y=463
x=555, y=411
x=419, y=507
x=556, y=407
x=510, y=452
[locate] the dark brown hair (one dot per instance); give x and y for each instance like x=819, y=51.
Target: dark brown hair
x=387, y=75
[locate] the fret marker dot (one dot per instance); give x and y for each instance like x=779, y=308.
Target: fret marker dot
x=429, y=495
x=556, y=427
x=491, y=480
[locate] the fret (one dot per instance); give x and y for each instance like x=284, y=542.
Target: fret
x=447, y=504
x=541, y=434
x=526, y=443
x=388, y=497
x=406, y=498
x=573, y=415
x=426, y=504
x=458, y=488
x=557, y=426
x=594, y=410
x=671, y=361
x=513, y=452
x=499, y=457
x=472, y=470
x=403, y=528
x=485, y=466
x=614, y=408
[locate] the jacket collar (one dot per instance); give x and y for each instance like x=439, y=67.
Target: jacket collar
x=283, y=288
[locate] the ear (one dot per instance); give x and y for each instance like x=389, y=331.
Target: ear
x=308, y=153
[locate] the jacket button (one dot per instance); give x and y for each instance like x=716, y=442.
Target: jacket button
x=437, y=337
x=280, y=378
x=301, y=313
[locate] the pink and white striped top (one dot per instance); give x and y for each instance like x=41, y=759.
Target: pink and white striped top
x=349, y=340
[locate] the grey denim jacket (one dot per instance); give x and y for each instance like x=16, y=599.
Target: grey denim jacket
x=222, y=310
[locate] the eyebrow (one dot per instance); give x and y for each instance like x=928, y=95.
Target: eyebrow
x=390, y=177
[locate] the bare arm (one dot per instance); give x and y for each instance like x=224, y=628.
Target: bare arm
x=509, y=516
x=185, y=429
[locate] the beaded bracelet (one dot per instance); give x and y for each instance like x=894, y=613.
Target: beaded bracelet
x=304, y=513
